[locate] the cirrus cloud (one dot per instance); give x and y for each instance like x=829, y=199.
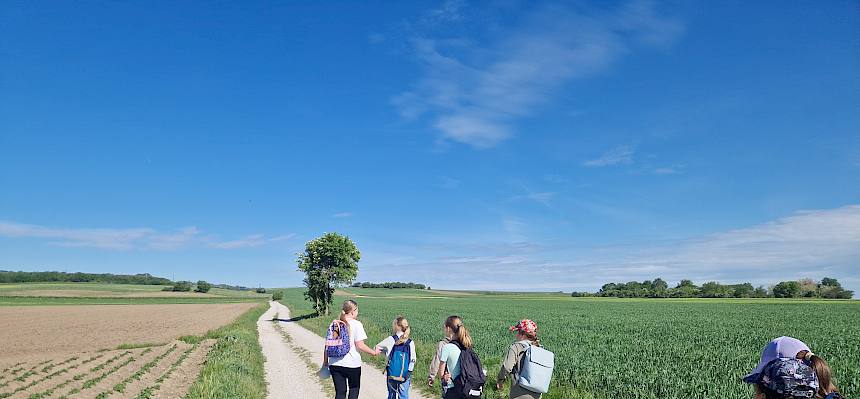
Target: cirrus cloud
x=474, y=95
x=131, y=238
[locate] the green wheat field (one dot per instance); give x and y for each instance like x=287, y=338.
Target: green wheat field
x=610, y=347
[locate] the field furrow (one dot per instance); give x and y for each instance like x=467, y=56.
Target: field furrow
x=134, y=384
x=50, y=374
x=36, y=375
x=58, y=377
x=99, y=372
x=178, y=379
x=146, y=373
x=105, y=381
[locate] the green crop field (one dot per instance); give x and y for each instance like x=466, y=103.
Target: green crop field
x=629, y=348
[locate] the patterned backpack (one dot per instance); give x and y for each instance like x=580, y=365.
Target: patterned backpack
x=789, y=378
x=337, y=342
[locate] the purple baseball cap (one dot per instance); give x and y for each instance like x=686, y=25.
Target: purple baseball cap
x=779, y=348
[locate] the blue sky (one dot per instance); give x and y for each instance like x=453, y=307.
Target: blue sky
x=496, y=145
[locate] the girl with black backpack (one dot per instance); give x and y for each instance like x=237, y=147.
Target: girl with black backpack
x=788, y=369
x=459, y=367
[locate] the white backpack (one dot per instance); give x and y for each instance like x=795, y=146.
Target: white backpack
x=536, y=369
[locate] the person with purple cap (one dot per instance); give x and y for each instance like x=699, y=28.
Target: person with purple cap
x=789, y=369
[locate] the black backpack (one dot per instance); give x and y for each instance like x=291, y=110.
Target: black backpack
x=470, y=383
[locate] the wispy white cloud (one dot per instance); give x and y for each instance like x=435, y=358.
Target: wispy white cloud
x=619, y=155
x=666, y=171
x=474, y=94
x=541, y=198
x=448, y=11
x=130, y=238
x=254, y=240
x=342, y=215
x=812, y=244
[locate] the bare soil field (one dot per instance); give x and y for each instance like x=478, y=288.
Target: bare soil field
x=35, y=334
x=164, y=371
x=104, y=294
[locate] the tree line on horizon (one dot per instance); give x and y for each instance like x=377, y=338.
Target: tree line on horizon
x=64, y=277
x=395, y=284
x=7, y=276
x=827, y=288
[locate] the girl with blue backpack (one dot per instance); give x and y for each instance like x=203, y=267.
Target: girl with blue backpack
x=788, y=369
x=344, y=338
x=529, y=365
x=400, y=351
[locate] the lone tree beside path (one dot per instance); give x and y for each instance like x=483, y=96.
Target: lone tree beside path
x=328, y=261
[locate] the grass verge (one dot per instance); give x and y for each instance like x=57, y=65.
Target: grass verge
x=234, y=366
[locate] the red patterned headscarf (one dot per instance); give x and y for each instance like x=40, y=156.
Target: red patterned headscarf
x=526, y=326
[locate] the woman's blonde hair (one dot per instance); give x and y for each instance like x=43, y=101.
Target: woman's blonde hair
x=348, y=306
x=461, y=334
x=403, y=324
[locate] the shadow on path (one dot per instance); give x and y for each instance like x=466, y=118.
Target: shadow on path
x=297, y=318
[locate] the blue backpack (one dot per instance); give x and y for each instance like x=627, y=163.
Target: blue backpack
x=535, y=370
x=337, y=342
x=398, y=361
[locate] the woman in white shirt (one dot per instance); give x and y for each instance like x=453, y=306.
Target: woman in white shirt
x=346, y=370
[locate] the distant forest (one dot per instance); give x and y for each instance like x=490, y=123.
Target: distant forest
x=63, y=277
x=828, y=288
x=395, y=284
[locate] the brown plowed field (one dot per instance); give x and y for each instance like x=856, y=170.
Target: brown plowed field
x=34, y=334
x=107, y=294
x=144, y=372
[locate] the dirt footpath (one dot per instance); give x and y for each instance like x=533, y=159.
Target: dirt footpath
x=287, y=372
x=37, y=333
x=311, y=346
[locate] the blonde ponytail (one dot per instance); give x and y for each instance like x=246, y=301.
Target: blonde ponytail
x=348, y=306
x=461, y=333
x=403, y=324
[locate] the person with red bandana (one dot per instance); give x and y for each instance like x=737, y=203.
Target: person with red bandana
x=526, y=336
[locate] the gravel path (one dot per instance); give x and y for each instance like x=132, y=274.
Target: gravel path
x=303, y=340
x=287, y=374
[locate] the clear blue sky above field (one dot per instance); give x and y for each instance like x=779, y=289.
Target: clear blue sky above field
x=493, y=145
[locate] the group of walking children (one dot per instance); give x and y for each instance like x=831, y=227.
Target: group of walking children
x=787, y=368
x=454, y=364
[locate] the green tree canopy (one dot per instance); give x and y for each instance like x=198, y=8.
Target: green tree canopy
x=787, y=289
x=328, y=261
x=203, y=286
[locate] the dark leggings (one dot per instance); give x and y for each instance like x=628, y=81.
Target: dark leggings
x=343, y=377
